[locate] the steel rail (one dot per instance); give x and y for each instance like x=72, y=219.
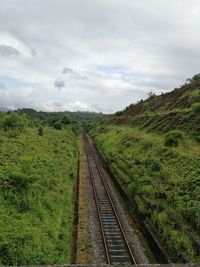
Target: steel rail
x=101, y=175
x=97, y=206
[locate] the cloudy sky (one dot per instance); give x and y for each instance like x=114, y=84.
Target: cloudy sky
x=96, y=55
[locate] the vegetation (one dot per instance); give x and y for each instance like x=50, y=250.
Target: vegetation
x=173, y=138
x=153, y=148
x=196, y=77
x=162, y=176
x=38, y=168
x=196, y=106
x=175, y=110
x=59, y=119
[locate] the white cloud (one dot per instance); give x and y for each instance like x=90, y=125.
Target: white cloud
x=109, y=53
x=9, y=41
x=77, y=105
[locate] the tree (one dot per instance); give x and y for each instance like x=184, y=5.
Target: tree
x=151, y=94
x=195, y=78
x=65, y=120
x=57, y=126
x=13, y=123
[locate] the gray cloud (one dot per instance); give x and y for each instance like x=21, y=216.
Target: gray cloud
x=68, y=71
x=2, y=86
x=111, y=52
x=7, y=51
x=59, y=84
x=73, y=74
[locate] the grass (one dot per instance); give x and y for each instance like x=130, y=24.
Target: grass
x=163, y=181
x=37, y=176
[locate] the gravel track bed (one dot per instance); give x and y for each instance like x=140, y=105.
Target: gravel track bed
x=94, y=226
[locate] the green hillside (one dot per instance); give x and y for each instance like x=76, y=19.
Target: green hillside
x=178, y=109
x=38, y=168
x=153, y=149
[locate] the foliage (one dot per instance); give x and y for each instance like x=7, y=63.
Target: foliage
x=196, y=77
x=40, y=131
x=163, y=181
x=151, y=95
x=169, y=111
x=145, y=106
x=13, y=124
x=173, y=138
x=196, y=106
x=58, y=125
x=37, y=176
x=194, y=95
x=65, y=118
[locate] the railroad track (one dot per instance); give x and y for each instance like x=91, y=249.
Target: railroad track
x=117, y=249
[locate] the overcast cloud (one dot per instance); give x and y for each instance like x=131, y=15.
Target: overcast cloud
x=102, y=55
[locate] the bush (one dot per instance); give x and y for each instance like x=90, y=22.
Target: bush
x=173, y=138
x=13, y=123
x=19, y=180
x=196, y=106
x=196, y=77
x=40, y=131
x=154, y=164
x=132, y=188
x=57, y=126
x=194, y=95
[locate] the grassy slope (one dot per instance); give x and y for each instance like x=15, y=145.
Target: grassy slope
x=37, y=175
x=164, y=182
x=173, y=110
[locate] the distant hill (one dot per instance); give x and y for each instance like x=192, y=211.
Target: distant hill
x=178, y=109
x=4, y=109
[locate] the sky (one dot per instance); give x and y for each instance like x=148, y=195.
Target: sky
x=95, y=55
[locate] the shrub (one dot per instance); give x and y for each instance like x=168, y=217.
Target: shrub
x=196, y=77
x=154, y=164
x=196, y=106
x=173, y=138
x=118, y=113
x=13, y=123
x=132, y=188
x=146, y=106
x=18, y=181
x=40, y=131
x=57, y=126
x=194, y=95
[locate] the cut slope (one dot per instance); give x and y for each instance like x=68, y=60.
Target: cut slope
x=180, y=98
x=174, y=110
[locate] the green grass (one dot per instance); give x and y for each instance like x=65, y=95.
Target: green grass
x=163, y=181
x=37, y=176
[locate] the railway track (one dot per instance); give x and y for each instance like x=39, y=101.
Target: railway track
x=117, y=249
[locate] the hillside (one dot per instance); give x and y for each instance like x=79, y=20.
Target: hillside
x=153, y=149
x=178, y=109
x=38, y=172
